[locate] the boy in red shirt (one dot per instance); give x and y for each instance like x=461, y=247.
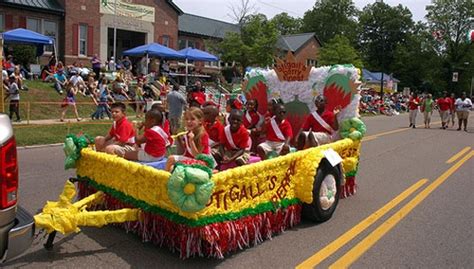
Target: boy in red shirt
x=319, y=127
x=155, y=139
x=212, y=125
x=121, y=136
x=279, y=134
x=235, y=141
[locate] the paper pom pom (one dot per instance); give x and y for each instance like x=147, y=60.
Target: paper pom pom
x=353, y=128
x=190, y=187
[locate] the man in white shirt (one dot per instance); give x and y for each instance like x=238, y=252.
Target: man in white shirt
x=463, y=105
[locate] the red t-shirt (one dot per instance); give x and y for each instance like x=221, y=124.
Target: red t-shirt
x=444, y=103
x=413, y=103
x=214, y=130
x=241, y=138
x=285, y=128
x=122, y=131
x=155, y=142
x=311, y=123
x=254, y=119
x=205, y=146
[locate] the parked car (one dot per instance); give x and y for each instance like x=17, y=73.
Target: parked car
x=16, y=224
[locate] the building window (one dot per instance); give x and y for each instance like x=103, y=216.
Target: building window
x=191, y=44
x=33, y=25
x=51, y=30
x=311, y=62
x=82, y=39
x=181, y=44
x=2, y=23
x=165, y=41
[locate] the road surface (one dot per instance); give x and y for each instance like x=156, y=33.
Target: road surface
x=412, y=210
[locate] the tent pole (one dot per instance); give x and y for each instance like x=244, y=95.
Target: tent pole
x=1, y=73
x=186, y=72
x=146, y=64
x=55, y=53
x=115, y=31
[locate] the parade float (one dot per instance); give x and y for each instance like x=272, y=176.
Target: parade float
x=200, y=212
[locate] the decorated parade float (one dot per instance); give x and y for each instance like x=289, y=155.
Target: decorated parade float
x=200, y=212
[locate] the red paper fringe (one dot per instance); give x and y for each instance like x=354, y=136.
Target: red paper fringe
x=213, y=240
x=349, y=188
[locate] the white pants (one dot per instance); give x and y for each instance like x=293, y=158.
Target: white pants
x=412, y=114
x=444, y=115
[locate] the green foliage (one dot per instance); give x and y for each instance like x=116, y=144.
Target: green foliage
x=24, y=54
x=286, y=24
x=451, y=20
x=383, y=28
x=254, y=45
x=331, y=17
x=338, y=50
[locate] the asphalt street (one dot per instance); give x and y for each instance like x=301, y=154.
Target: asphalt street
x=430, y=228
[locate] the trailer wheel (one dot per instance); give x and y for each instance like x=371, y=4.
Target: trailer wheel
x=325, y=193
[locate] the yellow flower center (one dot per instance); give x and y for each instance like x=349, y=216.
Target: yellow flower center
x=189, y=189
x=352, y=129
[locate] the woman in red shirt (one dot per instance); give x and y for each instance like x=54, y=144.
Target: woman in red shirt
x=413, y=104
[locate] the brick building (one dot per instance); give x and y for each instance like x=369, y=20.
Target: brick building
x=83, y=28
x=305, y=47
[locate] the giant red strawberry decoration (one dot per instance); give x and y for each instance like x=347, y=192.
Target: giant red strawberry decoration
x=339, y=90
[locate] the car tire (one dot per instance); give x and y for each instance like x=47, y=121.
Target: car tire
x=325, y=193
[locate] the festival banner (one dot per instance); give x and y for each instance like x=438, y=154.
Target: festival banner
x=124, y=9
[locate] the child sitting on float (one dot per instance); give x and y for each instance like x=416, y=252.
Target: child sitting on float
x=155, y=139
x=194, y=142
x=320, y=127
x=213, y=126
x=279, y=134
x=232, y=103
x=251, y=118
x=165, y=123
x=235, y=141
x=121, y=136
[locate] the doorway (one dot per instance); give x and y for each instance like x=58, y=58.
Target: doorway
x=125, y=40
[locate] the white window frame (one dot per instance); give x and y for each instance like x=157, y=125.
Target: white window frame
x=40, y=24
x=79, y=41
x=2, y=22
x=55, y=34
x=167, y=39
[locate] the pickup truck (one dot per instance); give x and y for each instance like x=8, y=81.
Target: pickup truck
x=16, y=224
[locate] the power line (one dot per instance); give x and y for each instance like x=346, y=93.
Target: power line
x=282, y=9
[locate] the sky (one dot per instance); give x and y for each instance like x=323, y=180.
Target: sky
x=220, y=9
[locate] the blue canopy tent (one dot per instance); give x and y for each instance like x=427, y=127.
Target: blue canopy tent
x=23, y=36
x=197, y=55
x=155, y=50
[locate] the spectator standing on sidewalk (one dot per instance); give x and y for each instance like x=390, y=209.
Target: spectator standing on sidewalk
x=413, y=104
x=463, y=105
x=14, y=95
x=444, y=105
x=176, y=105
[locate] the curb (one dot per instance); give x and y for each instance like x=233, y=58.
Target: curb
x=41, y=146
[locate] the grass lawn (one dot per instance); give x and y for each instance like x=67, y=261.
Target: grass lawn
x=27, y=135
x=45, y=103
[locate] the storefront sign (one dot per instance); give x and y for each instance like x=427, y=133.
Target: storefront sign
x=123, y=9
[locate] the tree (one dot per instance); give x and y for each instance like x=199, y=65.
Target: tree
x=449, y=21
x=254, y=45
x=239, y=11
x=286, y=24
x=382, y=29
x=416, y=64
x=331, y=17
x=338, y=50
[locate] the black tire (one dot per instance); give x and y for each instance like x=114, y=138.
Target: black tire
x=315, y=211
